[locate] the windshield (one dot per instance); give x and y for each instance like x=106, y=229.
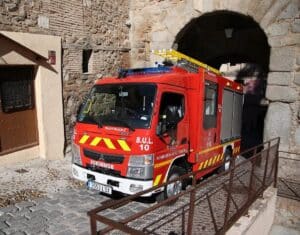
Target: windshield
x=128, y=105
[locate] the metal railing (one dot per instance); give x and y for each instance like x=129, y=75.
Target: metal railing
x=211, y=206
x=288, y=181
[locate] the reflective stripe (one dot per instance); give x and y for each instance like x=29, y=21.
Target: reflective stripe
x=83, y=139
x=124, y=145
x=216, y=147
x=205, y=164
x=215, y=159
x=210, y=161
x=157, y=180
x=95, y=141
x=200, y=166
x=161, y=164
x=109, y=144
x=221, y=157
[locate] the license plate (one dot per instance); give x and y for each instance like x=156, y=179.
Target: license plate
x=99, y=187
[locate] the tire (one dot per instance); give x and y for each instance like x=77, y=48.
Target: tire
x=227, y=161
x=174, y=188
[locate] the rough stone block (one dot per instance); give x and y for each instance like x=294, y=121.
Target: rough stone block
x=11, y=7
x=297, y=137
x=278, y=78
x=161, y=36
x=281, y=93
x=296, y=26
x=278, y=29
x=173, y=24
x=291, y=11
x=278, y=123
x=203, y=5
x=273, y=12
x=282, y=59
x=297, y=79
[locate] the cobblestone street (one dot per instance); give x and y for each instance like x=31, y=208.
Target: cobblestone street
x=61, y=213
x=40, y=197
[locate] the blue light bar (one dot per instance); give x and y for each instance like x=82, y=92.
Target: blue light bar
x=143, y=71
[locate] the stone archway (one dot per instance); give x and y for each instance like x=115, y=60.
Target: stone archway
x=226, y=37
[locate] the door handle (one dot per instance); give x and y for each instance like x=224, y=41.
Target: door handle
x=215, y=138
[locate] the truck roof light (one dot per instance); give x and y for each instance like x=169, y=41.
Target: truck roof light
x=123, y=73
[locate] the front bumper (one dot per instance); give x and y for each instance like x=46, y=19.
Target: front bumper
x=125, y=185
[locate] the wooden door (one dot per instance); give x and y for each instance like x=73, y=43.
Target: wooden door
x=18, y=121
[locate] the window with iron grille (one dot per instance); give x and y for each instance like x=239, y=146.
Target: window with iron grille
x=16, y=90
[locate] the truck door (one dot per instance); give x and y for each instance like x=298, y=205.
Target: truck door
x=210, y=111
x=173, y=123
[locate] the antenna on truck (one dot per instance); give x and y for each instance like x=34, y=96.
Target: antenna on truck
x=183, y=60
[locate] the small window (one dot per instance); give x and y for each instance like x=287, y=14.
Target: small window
x=87, y=61
x=16, y=93
x=210, y=105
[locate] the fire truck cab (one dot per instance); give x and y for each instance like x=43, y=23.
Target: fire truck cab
x=150, y=125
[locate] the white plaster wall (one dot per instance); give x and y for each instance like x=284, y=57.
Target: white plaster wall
x=48, y=95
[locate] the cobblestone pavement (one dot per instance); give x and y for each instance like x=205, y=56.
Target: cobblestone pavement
x=56, y=204
x=40, y=197
x=60, y=214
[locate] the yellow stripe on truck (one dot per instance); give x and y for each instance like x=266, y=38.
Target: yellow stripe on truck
x=215, y=159
x=200, y=166
x=95, y=141
x=164, y=163
x=83, y=139
x=108, y=143
x=157, y=180
x=124, y=145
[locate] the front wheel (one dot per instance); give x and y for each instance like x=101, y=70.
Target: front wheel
x=174, y=188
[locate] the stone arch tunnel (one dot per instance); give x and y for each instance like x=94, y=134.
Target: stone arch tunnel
x=227, y=37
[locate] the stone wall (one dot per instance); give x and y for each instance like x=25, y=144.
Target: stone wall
x=97, y=25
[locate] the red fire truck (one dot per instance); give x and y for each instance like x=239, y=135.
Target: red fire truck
x=150, y=125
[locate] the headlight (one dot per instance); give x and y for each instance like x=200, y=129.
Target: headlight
x=141, y=160
x=140, y=167
x=76, y=159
